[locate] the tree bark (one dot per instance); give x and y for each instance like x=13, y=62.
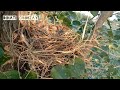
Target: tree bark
x=6, y=26
x=102, y=18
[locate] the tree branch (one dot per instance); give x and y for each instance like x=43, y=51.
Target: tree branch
x=102, y=18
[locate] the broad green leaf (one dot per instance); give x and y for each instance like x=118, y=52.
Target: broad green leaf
x=105, y=48
x=61, y=16
x=69, y=71
x=31, y=75
x=13, y=74
x=94, y=49
x=59, y=72
x=3, y=59
x=75, y=22
x=72, y=15
x=67, y=22
x=94, y=13
x=106, y=58
x=77, y=69
x=117, y=37
x=2, y=76
x=112, y=71
x=116, y=34
x=66, y=13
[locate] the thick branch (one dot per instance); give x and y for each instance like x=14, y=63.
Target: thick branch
x=103, y=17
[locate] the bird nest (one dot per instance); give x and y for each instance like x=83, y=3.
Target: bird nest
x=42, y=45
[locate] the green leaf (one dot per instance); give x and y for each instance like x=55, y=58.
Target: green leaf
x=61, y=16
x=112, y=71
x=117, y=37
x=116, y=34
x=2, y=76
x=77, y=69
x=72, y=15
x=106, y=58
x=1, y=52
x=67, y=22
x=66, y=13
x=59, y=72
x=75, y=22
x=94, y=49
x=31, y=75
x=94, y=13
x=13, y=74
x=69, y=71
x=3, y=59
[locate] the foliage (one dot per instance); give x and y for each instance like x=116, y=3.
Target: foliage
x=94, y=13
x=3, y=57
x=76, y=70
x=105, y=63
x=30, y=75
x=13, y=74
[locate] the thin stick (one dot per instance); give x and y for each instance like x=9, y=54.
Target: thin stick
x=85, y=28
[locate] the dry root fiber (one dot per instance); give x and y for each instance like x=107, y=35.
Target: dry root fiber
x=44, y=45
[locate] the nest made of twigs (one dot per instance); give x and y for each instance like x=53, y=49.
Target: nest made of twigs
x=44, y=45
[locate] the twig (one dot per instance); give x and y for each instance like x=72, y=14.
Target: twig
x=85, y=28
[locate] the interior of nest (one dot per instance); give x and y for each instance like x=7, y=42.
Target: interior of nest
x=40, y=45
